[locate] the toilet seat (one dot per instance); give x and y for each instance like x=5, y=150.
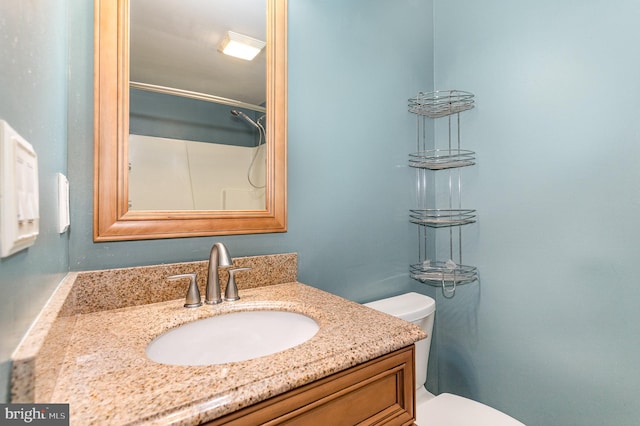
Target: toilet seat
x=452, y=410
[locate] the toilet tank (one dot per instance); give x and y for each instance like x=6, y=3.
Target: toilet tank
x=418, y=309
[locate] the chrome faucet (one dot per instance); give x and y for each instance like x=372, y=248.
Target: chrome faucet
x=219, y=256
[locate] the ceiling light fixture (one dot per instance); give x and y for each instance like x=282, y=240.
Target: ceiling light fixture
x=241, y=46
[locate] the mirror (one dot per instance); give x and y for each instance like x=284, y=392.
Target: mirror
x=114, y=218
x=196, y=115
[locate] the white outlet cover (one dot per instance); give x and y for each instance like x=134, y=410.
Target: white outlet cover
x=19, y=197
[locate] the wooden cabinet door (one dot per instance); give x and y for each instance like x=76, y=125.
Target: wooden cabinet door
x=378, y=392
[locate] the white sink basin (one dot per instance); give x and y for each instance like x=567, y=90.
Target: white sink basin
x=237, y=336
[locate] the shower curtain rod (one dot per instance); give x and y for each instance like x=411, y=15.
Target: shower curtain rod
x=195, y=95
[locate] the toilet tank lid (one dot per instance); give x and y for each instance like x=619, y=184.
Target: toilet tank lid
x=409, y=306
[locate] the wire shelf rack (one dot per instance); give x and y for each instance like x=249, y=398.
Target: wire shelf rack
x=438, y=218
x=436, y=272
x=429, y=160
x=441, y=103
x=446, y=275
x=439, y=159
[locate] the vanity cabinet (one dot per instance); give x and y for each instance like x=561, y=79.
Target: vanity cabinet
x=357, y=369
x=378, y=392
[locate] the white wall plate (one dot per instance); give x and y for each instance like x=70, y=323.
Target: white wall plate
x=19, y=197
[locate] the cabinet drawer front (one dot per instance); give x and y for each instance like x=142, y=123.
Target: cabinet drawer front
x=377, y=392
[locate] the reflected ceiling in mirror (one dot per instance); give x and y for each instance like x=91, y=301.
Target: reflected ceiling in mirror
x=251, y=108
x=174, y=43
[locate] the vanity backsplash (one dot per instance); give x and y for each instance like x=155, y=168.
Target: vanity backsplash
x=120, y=288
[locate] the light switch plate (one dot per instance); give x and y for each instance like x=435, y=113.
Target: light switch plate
x=63, y=203
x=19, y=197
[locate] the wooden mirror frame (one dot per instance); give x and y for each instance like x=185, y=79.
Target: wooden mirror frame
x=112, y=220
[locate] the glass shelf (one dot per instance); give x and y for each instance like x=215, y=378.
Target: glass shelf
x=441, y=103
x=439, y=273
x=438, y=218
x=438, y=159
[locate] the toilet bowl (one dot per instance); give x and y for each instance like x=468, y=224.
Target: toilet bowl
x=445, y=409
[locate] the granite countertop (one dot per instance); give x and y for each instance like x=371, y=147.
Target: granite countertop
x=106, y=377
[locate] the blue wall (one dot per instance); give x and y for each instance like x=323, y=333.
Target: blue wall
x=33, y=100
x=551, y=335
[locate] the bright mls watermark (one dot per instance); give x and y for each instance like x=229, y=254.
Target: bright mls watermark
x=34, y=414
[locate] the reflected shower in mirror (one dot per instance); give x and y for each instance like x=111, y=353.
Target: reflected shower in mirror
x=196, y=115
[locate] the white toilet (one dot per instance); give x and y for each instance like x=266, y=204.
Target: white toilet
x=444, y=409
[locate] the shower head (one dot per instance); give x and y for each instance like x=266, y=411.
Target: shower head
x=245, y=117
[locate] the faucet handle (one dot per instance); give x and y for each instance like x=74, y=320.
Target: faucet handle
x=192, y=299
x=231, y=292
